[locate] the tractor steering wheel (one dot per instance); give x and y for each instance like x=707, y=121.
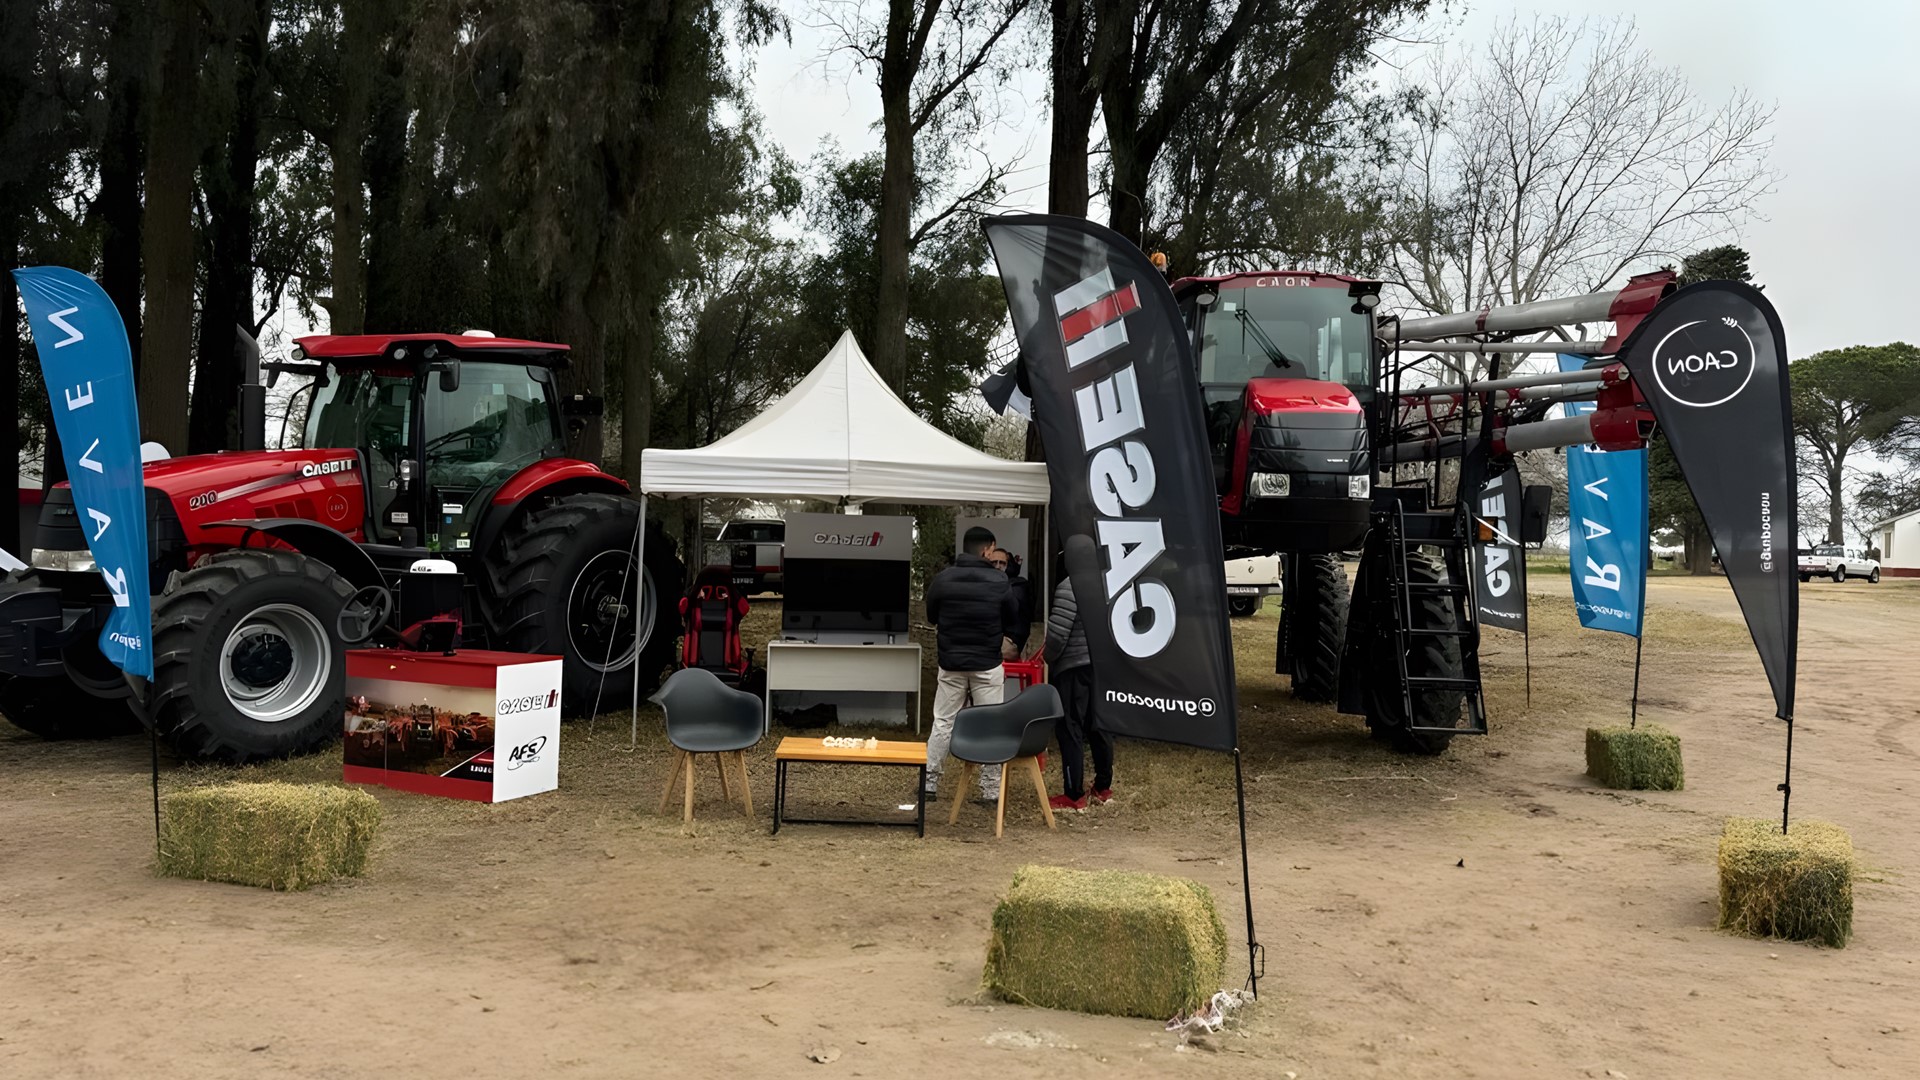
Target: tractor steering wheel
x=366, y=611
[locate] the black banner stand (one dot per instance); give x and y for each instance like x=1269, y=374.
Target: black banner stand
x=1786, y=784
x=1633, y=715
x=1255, y=953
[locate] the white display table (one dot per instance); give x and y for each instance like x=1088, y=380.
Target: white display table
x=807, y=665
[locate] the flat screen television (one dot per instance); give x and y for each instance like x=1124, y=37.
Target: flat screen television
x=861, y=596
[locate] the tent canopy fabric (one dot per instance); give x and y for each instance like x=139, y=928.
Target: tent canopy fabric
x=843, y=435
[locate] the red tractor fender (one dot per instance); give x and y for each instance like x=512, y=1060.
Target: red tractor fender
x=309, y=538
x=536, y=485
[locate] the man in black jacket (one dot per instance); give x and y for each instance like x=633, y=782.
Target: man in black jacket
x=973, y=607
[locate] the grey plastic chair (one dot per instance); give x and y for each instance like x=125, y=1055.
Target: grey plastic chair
x=706, y=716
x=1012, y=734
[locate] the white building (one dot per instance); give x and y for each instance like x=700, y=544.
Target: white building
x=1899, y=542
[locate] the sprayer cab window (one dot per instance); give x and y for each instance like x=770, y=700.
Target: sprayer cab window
x=1298, y=333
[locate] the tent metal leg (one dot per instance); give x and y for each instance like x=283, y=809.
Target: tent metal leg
x=639, y=610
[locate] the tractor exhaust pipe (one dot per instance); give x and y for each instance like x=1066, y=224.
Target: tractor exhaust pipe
x=253, y=396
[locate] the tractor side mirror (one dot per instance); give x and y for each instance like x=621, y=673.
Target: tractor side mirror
x=449, y=375
x=583, y=405
x=1536, y=503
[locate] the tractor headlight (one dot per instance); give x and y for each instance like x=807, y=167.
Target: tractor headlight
x=1359, y=487
x=69, y=561
x=1270, y=485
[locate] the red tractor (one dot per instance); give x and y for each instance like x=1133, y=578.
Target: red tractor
x=416, y=446
x=1335, y=430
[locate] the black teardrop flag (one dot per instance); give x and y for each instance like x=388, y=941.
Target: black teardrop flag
x=1711, y=361
x=1114, y=391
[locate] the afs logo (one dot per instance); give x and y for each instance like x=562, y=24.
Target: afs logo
x=526, y=753
x=1705, y=362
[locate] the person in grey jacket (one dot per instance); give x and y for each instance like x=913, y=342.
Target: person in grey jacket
x=1070, y=670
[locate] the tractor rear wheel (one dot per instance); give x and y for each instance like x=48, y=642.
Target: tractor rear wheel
x=1315, y=614
x=248, y=663
x=567, y=588
x=1428, y=656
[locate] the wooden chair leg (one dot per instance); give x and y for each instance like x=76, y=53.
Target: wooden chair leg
x=673, y=777
x=726, y=782
x=688, y=816
x=960, y=790
x=746, y=785
x=1000, y=813
x=1039, y=788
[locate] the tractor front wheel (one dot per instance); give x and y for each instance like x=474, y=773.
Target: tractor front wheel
x=1314, y=615
x=247, y=661
x=569, y=589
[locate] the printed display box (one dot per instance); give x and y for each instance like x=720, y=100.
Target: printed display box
x=475, y=725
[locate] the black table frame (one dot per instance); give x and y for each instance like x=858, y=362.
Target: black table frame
x=780, y=796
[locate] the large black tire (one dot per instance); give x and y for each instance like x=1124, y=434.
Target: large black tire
x=560, y=572
x=61, y=708
x=1427, y=656
x=1316, y=625
x=248, y=662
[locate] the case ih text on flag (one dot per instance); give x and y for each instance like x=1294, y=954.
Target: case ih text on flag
x=1109, y=369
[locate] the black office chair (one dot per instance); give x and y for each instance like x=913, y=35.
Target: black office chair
x=705, y=716
x=1012, y=733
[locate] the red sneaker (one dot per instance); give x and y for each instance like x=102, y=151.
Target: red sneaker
x=1062, y=802
x=1103, y=795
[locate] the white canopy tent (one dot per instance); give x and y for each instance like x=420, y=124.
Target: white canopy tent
x=844, y=436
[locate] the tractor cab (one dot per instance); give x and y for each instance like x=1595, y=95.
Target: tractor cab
x=439, y=422
x=1287, y=370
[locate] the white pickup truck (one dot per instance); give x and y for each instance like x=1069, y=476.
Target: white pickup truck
x=1839, y=562
x=1250, y=581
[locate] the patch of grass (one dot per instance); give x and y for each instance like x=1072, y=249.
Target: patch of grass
x=1797, y=886
x=274, y=835
x=1106, y=941
x=1645, y=758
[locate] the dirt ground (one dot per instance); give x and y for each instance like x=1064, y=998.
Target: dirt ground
x=1489, y=913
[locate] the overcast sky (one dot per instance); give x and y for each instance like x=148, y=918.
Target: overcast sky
x=1833, y=242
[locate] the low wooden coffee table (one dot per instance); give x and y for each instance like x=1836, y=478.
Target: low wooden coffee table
x=910, y=755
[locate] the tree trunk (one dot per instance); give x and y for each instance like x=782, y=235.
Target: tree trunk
x=576, y=327
x=896, y=202
x=1120, y=101
x=390, y=303
x=1074, y=98
x=228, y=302
x=167, y=240
x=1699, y=551
x=359, y=57
x=121, y=154
x=1836, y=497
x=636, y=392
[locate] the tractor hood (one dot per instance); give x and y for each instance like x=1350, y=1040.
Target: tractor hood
x=235, y=473
x=1304, y=426
x=1266, y=396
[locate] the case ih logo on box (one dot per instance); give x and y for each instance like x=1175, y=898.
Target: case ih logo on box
x=509, y=706
x=839, y=536
x=848, y=539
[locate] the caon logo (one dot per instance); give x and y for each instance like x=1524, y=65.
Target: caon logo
x=866, y=540
x=526, y=753
x=1704, y=363
x=327, y=468
x=510, y=706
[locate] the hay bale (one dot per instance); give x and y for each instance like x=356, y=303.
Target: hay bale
x=278, y=836
x=1106, y=941
x=1797, y=886
x=1635, y=759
